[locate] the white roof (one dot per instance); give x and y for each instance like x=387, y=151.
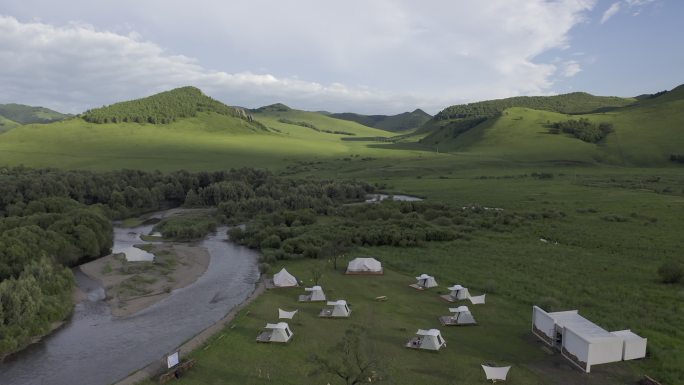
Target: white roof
x=338, y=302
x=460, y=309
x=581, y=326
x=364, y=264
x=431, y=332
x=424, y=276
x=627, y=335
x=279, y=325
x=283, y=278
x=455, y=287
x=315, y=288
x=286, y=314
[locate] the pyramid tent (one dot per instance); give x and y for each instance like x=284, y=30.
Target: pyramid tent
x=426, y=281
x=459, y=292
x=427, y=339
x=284, y=279
x=462, y=316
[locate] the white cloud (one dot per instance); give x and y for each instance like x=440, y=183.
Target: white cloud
x=571, y=68
x=382, y=56
x=610, y=12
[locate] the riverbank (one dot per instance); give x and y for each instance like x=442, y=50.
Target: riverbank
x=195, y=342
x=133, y=286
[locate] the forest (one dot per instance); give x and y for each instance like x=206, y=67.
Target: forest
x=583, y=129
x=163, y=108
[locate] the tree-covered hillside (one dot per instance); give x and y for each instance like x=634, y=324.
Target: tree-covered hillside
x=23, y=114
x=399, y=122
x=163, y=108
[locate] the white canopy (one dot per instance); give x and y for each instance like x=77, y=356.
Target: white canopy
x=364, y=265
x=286, y=314
x=284, y=279
x=279, y=325
x=480, y=299
x=455, y=287
x=314, y=288
x=426, y=281
x=460, y=309
x=428, y=332
x=496, y=373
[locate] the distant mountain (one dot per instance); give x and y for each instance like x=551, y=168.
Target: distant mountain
x=278, y=107
x=163, y=108
x=23, y=114
x=401, y=122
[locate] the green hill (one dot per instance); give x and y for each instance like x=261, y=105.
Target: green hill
x=23, y=114
x=163, y=108
x=645, y=133
x=400, y=122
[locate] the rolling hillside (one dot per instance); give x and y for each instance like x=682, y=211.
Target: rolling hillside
x=645, y=133
x=24, y=114
x=400, y=122
x=7, y=124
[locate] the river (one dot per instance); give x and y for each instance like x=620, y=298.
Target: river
x=95, y=348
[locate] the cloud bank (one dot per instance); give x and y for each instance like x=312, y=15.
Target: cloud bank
x=370, y=57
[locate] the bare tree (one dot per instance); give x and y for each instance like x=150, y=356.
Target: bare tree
x=351, y=362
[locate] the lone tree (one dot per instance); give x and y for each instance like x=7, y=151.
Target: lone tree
x=350, y=361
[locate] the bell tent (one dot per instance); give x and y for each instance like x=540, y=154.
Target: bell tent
x=284, y=279
x=364, y=266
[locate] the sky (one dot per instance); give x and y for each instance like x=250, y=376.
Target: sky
x=373, y=57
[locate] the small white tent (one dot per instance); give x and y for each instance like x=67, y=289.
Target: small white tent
x=427, y=339
x=284, y=279
x=496, y=373
x=459, y=292
x=580, y=341
x=425, y=281
x=633, y=347
x=279, y=332
x=336, y=309
x=461, y=316
x=316, y=294
x=282, y=314
x=364, y=266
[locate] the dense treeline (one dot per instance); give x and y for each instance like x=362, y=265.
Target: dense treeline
x=573, y=103
x=677, y=158
x=582, y=129
x=306, y=233
x=313, y=127
x=163, y=108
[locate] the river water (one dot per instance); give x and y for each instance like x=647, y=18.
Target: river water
x=95, y=348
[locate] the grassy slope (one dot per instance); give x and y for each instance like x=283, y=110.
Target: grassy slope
x=23, y=114
x=7, y=124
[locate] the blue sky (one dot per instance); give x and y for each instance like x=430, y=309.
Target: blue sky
x=381, y=56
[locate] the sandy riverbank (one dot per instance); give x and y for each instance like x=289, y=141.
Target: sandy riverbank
x=133, y=286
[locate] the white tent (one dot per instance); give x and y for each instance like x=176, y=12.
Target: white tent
x=316, y=294
x=580, y=341
x=426, y=281
x=279, y=332
x=496, y=373
x=284, y=279
x=459, y=292
x=480, y=299
x=461, y=316
x=364, y=266
x=282, y=314
x=338, y=309
x=633, y=347
x=427, y=339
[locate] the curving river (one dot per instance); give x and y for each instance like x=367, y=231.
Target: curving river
x=94, y=348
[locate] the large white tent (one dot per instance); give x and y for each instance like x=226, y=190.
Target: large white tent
x=427, y=339
x=279, y=332
x=425, y=281
x=284, y=279
x=580, y=341
x=315, y=294
x=336, y=309
x=364, y=266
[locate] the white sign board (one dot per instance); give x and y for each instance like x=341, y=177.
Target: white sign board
x=172, y=360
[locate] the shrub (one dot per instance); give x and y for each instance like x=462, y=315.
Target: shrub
x=670, y=272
